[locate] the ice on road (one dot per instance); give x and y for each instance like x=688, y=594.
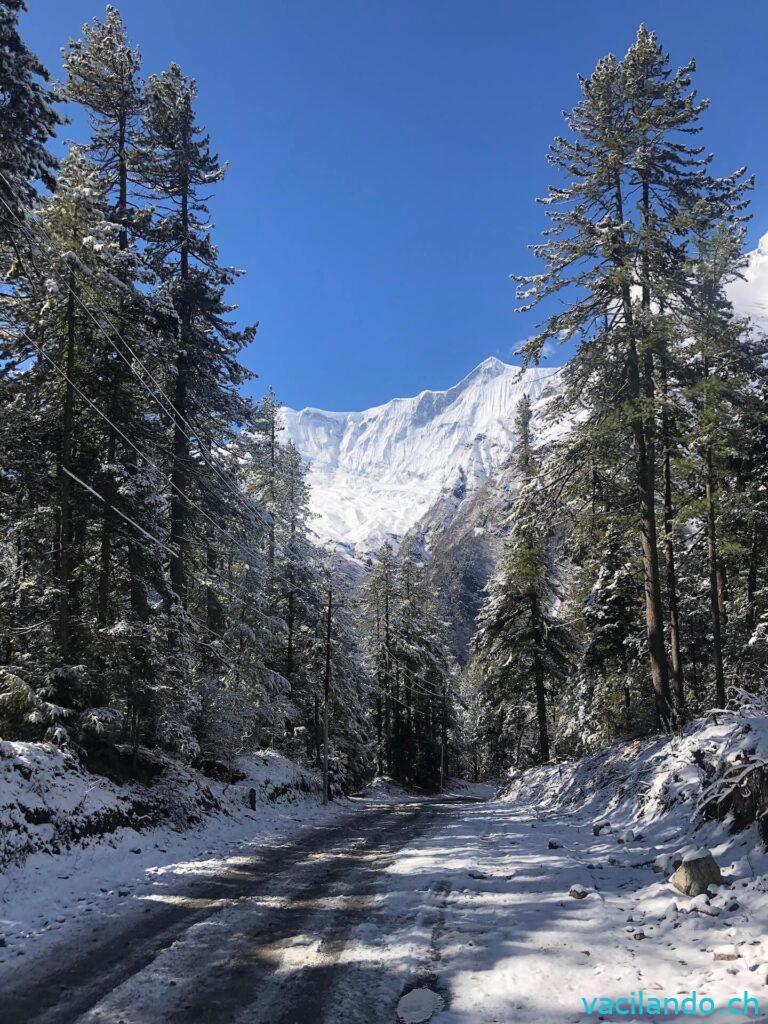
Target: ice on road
x=457, y=912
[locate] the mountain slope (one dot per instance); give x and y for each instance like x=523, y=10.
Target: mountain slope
x=749, y=294
x=375, y=474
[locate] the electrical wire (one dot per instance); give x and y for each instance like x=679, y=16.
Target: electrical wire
x=165, y=404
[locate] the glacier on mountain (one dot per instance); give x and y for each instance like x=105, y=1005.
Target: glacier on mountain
x=749, y=293
x=374, y=474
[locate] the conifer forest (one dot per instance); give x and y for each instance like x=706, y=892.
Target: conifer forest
x=542, y=593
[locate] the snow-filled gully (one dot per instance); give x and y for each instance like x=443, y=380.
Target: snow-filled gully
x=455, y=912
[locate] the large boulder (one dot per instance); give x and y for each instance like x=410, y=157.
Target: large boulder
x=697, y=872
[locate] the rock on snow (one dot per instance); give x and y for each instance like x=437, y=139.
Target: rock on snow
x=698, y=871
x=419, y=1005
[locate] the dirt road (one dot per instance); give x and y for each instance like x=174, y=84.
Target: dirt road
x=297, y=936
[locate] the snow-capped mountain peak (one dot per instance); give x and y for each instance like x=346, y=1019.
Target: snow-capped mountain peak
x=749, y=293
x=375, y=473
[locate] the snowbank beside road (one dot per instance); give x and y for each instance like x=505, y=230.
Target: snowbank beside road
x=559, y=891
x=716, y=770
x=74, y=843
x=50, y=803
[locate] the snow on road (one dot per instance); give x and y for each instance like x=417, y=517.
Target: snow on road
x=509, y=943
x=73, y=894
x=431, y=910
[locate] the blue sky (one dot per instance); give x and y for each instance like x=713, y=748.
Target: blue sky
x=385, y=156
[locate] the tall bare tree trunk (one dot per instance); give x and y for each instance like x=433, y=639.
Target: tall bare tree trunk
x=387, y=685
x=443, y=738
x=138, y=600
x=714, y=589
x=641, y=388
x=66, y=532
x=754, y=558
x=327, y=698
x=716, y=580
x=379, y=751
x=676, y=657
x=14, y=603
x=317, y=730
x=181, y=453
x=538, y=679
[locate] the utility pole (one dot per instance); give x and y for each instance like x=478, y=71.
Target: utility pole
x=327, y=691
x=443, y=741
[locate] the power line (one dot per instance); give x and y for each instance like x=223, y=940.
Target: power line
x=165, y=547
x=160, y=544
x=138, y=451
x=166, y=405
x=241, y=597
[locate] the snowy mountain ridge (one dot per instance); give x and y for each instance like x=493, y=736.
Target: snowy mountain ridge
x=749, y=293
x=374, y=474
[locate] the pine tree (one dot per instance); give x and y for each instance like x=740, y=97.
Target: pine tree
x=296, y=547
x=352, y=748
x=620, y=239
x=174, y=161
x=608, y=703
x=28, y=122
x=422, y=686
x=267, y=467
x=523, y=649
x=103, y=76
x=724, y=371
x=130, y=439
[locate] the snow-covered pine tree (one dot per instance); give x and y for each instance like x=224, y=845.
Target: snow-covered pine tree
x=28, y=121
x=175, y=167
x=619, y=242
x=523, y=649
x=352, y=744
x=297, y=586
x=722, y=373
x=423, y=704
x=174, y=161
x=65, y=425
x=293, y=573
x=380, y=596
x=609, y=699
x=267, y=467
x=103, y=71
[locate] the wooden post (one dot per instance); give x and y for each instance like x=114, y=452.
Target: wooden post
x=327, y=693
x=443, y=741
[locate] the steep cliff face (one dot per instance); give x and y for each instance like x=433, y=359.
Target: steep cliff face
x=749, y=294
x=437, y=471
x=376, y=474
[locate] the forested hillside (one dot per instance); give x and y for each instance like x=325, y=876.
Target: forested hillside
x=632, y=592
x=162, y=586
